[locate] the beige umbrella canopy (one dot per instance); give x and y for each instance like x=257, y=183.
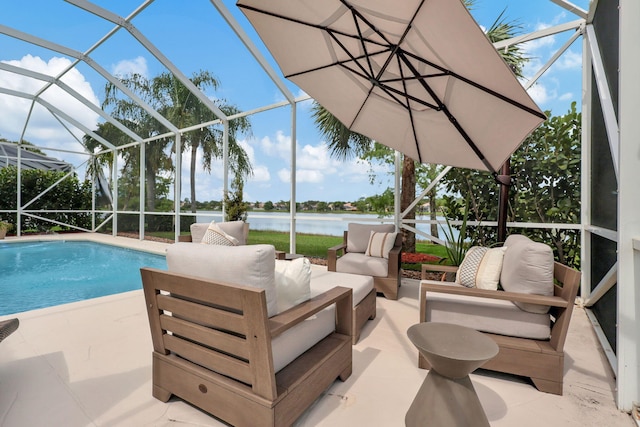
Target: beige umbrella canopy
x=418, y=76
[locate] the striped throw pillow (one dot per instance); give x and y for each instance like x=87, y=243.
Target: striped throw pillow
x=380, y=244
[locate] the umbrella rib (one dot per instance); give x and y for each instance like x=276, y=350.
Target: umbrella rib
x=418, y=77
x=306, y=24
x=450, y=116
x=352, y=58
x=413, y=125
x=394, y=47
x=478, y=86
x=361, y=39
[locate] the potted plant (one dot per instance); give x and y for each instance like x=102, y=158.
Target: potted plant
x=4, y=227
x=456, y=246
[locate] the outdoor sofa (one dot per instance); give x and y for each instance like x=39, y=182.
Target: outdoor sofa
x=364, y=293
x=528, y=317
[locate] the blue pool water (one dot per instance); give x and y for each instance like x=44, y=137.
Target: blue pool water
x=43, y=274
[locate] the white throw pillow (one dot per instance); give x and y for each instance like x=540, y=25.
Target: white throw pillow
x=293, y=282
x=468, y=269
x=380, y=244
x=489, y=270
x=216, y=236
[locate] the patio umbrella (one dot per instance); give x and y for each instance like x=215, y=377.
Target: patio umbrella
x=418, y=76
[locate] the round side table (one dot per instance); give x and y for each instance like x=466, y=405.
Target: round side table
x=447, y=397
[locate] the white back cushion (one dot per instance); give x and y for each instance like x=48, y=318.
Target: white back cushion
x=527, y=268
x=233, y=228
x=358, y=235
x=249, y=265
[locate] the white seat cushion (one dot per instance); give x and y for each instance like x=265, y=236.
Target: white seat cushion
x=323, y=280
x=486, y=315
x=286, y=347
x=359, y=263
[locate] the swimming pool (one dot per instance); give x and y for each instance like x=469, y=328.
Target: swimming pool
x=43, y=274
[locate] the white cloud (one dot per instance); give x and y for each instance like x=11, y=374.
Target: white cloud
x=43, y=128
x=541, y=94
x=281, y=147
x=309, y=176
x=284, y=175
x=570, y=60
x=303, y=176
x=566, y=97
x=131, y=66
x=316, y=157
x=533, y=46
x=260, y=174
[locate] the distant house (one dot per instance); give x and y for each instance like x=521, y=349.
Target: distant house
x=30, y=160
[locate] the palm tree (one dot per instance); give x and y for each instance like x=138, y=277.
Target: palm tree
x=138, y=120
x=343, y=143
x=184, y=109
x=173, y=100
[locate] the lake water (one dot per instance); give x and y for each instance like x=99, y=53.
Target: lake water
x=311, y=223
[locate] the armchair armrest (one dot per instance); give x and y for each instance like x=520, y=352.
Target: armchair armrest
x=394, y=259
x=332, y=255
x=553, y=301
x=438, y=268
x=339, y=295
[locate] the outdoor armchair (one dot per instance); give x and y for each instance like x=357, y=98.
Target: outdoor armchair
x=221, y=343
x=370, y=250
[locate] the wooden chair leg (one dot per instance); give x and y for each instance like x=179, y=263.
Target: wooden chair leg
x=161, y=394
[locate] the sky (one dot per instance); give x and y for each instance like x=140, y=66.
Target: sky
x=193, y=36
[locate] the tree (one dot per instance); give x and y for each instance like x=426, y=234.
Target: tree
x=68, y=194
x=268, y=206
x=546, y=188
x=183, y=109
x=235, y=207
x=383, y=204
x=425, y=176
x=171, y=98
x=344, y=144
x=322, y=207
x=144, y=125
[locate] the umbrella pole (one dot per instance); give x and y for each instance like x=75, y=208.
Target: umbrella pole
x=504, y=179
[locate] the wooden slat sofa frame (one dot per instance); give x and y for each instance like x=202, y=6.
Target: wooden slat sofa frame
x=540, y=360
x=212, y=348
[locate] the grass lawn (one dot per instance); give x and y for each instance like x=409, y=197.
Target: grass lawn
x=313, y=245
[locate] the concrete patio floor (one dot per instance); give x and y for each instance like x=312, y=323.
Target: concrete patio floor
x=89, y=364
